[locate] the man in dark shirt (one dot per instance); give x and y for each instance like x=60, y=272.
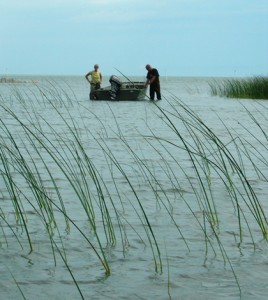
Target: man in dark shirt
x=153, y=81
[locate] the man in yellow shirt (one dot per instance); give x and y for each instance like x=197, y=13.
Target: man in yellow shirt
x=95, y=82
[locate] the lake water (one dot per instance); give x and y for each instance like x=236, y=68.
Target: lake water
x=142, y=161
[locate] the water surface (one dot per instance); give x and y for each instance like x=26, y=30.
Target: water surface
x=156, y=171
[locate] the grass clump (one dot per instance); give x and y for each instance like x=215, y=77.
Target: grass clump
x=250, y=88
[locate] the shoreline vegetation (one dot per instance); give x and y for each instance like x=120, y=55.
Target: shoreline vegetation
x=30, y=156
x=244, y=88
x=13, y=80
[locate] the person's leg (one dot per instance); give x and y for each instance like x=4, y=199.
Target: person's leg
x=93, y=88
x=157, y=91
x=151, y=92
x=158, y=94
x=96, y=87
x=91, y=95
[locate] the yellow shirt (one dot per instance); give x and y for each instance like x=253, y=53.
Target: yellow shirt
x=95, y=76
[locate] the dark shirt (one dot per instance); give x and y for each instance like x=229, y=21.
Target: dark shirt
x=153, y=73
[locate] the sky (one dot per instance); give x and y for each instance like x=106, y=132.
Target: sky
x=178, y=37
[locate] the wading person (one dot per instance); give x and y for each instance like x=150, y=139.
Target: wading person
x=153, y=81
x=95, y=82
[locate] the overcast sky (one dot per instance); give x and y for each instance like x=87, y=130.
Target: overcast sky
x=178, y=37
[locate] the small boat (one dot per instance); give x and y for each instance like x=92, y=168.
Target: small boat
x=121, y=91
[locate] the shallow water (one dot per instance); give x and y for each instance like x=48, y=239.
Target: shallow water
x=139, y=157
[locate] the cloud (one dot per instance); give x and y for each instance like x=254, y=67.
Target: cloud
x=81, y=10
x=18, y=4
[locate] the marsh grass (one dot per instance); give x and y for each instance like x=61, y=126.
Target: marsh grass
x=208, y=153
x=248, y=88
x=27, y=160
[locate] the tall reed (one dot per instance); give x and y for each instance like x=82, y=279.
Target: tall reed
x=250, y=88
x=27, y=161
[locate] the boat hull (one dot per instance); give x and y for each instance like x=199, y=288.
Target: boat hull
x=129, y=91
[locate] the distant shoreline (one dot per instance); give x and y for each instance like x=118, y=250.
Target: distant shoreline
x=13, y=80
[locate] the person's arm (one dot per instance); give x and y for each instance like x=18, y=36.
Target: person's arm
x=100, y=78
x=87, y=75
x=149, y=81
x=152, y=79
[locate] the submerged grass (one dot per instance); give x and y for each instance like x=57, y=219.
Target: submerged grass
x=32, y=188
x=248, y=88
